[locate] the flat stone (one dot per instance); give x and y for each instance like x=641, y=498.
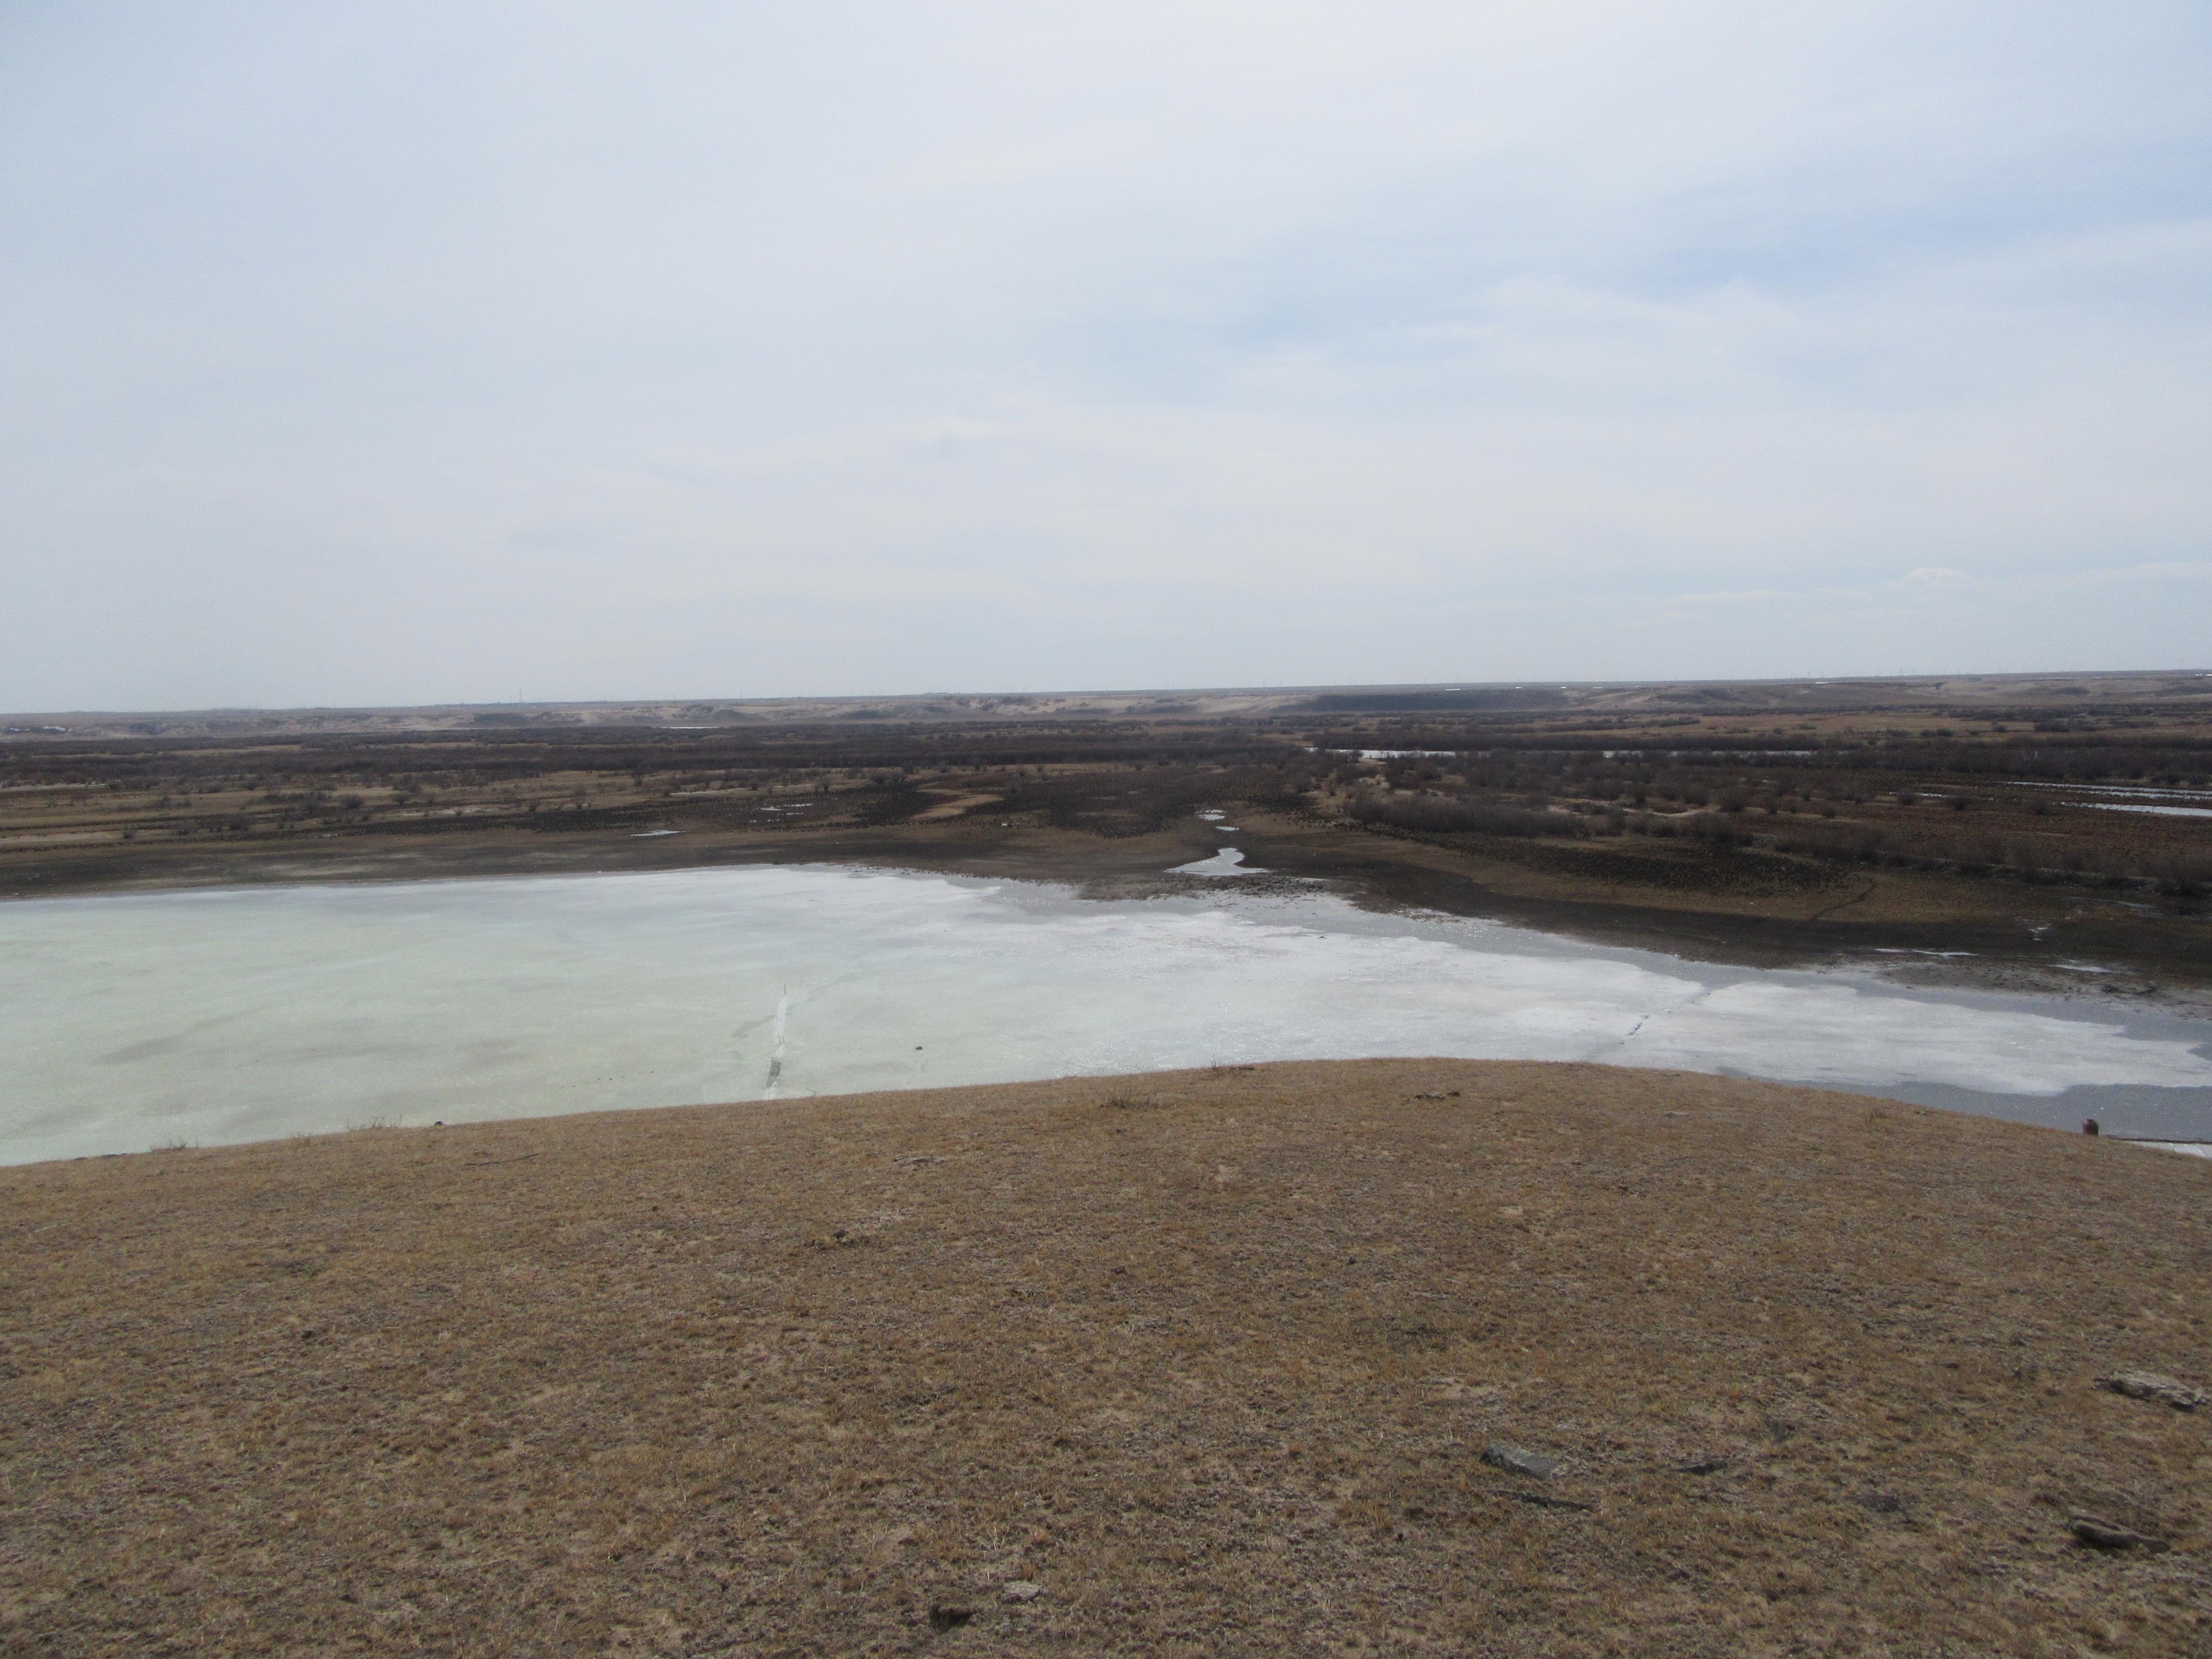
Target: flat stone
x=1022, y=1590
x=1519, y=1460
x=2104, y=1535
x=2148, y=1385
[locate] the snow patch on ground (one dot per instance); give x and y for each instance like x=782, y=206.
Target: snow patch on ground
x=1229, y=861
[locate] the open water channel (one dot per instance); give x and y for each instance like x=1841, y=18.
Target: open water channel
x=134, y=1021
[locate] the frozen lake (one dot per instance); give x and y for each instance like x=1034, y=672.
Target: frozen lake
x=141, y=1020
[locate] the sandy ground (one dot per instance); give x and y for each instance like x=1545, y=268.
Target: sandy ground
x=1194, y=1362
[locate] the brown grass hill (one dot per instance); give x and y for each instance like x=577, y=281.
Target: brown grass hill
x=1367, y=1357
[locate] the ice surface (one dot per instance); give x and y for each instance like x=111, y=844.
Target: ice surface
x=1229, y=861
x=137, y=1020
x=2162, y=811
x=2134, y=791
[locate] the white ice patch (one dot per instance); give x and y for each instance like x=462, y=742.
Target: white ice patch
x=141, y=1019
x=1841, y=1036
x=2132, y=791
x=1229, y=861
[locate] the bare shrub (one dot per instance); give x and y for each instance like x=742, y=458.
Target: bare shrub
x=1463, y=816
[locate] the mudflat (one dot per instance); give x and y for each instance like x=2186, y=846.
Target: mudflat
x=1254, y=1360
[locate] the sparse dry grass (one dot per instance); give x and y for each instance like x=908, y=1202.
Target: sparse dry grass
x=1211, y=1357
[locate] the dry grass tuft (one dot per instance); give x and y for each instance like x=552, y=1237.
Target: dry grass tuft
x=1192, y=1363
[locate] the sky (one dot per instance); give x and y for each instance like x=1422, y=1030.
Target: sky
x=396, y=353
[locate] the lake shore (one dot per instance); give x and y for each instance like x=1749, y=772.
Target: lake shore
x=1205, y=1361
x=2076, y=948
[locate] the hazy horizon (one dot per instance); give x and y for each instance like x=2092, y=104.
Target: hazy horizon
x=404, y=356
x=942, y=692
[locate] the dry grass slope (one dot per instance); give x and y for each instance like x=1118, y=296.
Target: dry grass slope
x=1210, y=1357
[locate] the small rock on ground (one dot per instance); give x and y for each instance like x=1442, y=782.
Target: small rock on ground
x=2104, y=1535
x=1519, y=1460
x=2148, y=1385
x=1022, y=1590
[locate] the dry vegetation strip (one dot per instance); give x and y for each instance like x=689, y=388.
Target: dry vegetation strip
x=1872, y=810
x=1211, y=1359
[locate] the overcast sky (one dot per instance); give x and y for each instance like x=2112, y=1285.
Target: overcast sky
x=391, y=353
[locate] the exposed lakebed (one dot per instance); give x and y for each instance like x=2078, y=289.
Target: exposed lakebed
x=207, y=1017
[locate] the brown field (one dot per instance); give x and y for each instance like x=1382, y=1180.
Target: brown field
x=1209, y=1359
x=1773, y=822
